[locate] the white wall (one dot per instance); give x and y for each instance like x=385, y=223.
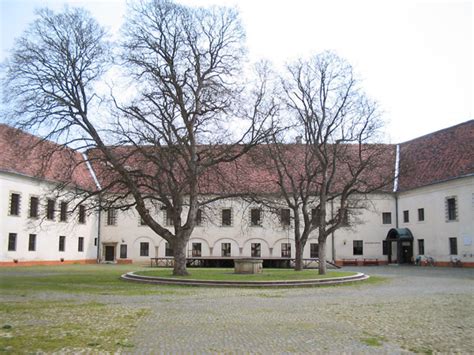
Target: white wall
x=48, y=232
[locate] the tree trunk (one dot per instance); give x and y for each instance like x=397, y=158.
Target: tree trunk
x=322, y=256
x=179, y=250
x=298, y=255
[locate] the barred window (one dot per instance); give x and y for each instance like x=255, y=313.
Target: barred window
x=225, y=249
x=255, y=250
x=12, y=241
x=123, y=251
x=421, y=214
x=144, y=248
x=451, y=209
x=111, y=217
x=406, y=216
x=387, y=218
x=358, y=247
x=50, y=206
x=32, y=242
x=34, y=203
x=226, y=217
x=285, y=250
x=62, y=243
x=314, y=250
x=256, y=217
x=196, y=249
x=63, y=211
x=285, y=217
x=14, y=204
x=168, y=249
x=82, y=214
x=80, y=244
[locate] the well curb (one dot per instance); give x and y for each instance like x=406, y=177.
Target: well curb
x=131, y=276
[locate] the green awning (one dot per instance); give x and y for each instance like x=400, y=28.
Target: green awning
x=399, y=234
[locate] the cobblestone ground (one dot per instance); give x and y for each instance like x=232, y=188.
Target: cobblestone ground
x=416, y=310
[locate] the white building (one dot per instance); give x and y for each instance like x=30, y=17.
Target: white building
x=429, y=211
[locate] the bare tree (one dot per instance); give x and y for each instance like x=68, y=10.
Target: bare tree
x=172, y=142
x=333, y=164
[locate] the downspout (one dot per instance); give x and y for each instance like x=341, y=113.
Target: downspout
x=333, y=251
x=395, y=183
x=99, y=212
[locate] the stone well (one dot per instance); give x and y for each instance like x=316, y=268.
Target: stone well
x=248, y=266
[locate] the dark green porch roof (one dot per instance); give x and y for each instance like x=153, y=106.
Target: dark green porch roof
x=399, y=234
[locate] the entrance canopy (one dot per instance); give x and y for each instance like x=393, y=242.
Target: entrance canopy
x=399, y=234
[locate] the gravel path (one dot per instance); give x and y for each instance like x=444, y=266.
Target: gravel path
x=416, y=310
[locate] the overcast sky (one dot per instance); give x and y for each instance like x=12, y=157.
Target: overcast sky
x=415, y=57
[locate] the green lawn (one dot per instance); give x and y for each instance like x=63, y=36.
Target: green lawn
x=224, y=274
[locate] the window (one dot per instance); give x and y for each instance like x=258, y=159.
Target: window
x=255, y=250
x=345, y=216
x=111, y=217
x=285, y=250
x=421, y=246
x=358, y=247
x=80, y=244
x=313, y=250
x=384, y=247
x=95, y=242
x=169, y=217
x=196, y=249
x=315, y=214
x=50, y=206
x=199, y=217
x=285, y=217
x=62, y=243
x=63, y=211
x=14, y=204
x=32, y=242
x=255, y=217
x=387, y=217
x=168, y=249
x=453, y=246
x=421, y=214
x=451, y=210
x=123, y=251
x=226, y=217
x=11, y=241
x=225, y=249
x=82, y=214
x=144, y=249
x=34, y=202
x=406, y=216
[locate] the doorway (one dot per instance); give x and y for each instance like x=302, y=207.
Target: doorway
x=109, y=253
x=400, y=246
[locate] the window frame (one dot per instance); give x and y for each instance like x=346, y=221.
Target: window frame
x=285, y=217
x=50, y=209
x=111, y=216
x=358, y=247
x=168, y=250
x=421, y=214
x=123, y=251
x=12, y=241
x=453, y=246
x=62, y=243
x=386, y=217
x=314, y=250
x=63, y=211
x=32, y=242
x=144, y=249
x=15, y=204
x=255, y=217
x=406, y=216
x=255, y=250
x=224, y=222
x=421, y=246
x=82, y=214
x=33, y=208
x=80, y=244
x=451, y=209
x=285, y=249
x=226, y=252
x=196, y=249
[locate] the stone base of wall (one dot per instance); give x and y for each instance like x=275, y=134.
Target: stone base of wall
x=47, y=262
x=124, y=261
x=368, y=262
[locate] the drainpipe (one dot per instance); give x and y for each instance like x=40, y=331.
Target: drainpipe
x=333, y=251
x=99, y=223
x=395, y=183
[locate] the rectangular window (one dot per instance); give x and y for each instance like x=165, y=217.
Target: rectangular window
x=358, y=247
x=80, y=244
x=255, y=250
x=199, y=217
x=82, y=214
x=313, y=250
x=62, y=243
x=34, y=203
x=285, y=250
x=285, y=217
x=421, y=214
x=406, y=216
x=451, y=209
x=226, y=217
x=421, y=246
x=123, y=251
x=453, y=246
x=95, y=242
x=315, y=215
x=225, y=249
x=63, y=211
x=14, y=204
x=384, y=247
x=32, y=242
x=12, y=242
x=111, y=217
x=344, y=217
x=196, y=249
x=144, y=249
x=387, y=217
x=169, y=217
x=168, y=249
x=255, y=217
x=50, y=206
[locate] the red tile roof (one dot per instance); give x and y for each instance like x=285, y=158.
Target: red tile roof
x=26, y=154
x=437, y=157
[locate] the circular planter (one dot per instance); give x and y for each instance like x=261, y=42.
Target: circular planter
x=131, y=276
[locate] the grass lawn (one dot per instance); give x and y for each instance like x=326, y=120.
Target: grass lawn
x=227, y=274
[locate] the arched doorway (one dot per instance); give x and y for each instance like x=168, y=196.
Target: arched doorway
x=400, y=246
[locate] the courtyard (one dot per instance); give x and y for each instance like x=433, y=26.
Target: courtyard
x=88, y=309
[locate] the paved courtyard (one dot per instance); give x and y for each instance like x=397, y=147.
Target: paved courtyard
x=414, y=310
